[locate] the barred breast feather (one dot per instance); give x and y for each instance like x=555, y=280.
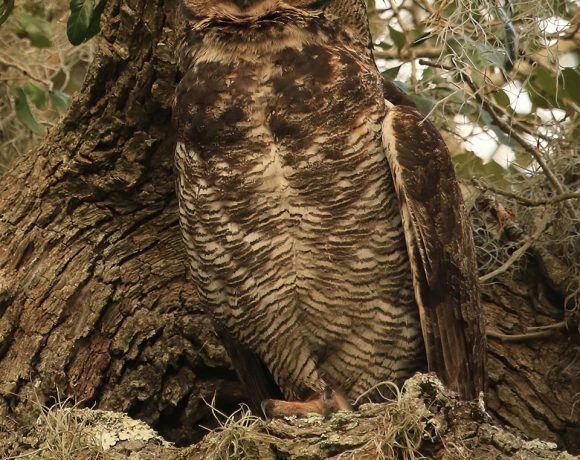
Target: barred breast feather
x=287, y=206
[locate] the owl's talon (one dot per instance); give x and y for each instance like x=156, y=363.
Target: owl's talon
x=325, y=403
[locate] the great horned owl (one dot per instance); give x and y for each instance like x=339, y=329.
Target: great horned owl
x=323, y=223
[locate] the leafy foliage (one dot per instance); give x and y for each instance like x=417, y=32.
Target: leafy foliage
x=24, y=113
x=39, y=70
x=36, y=29
x=501, y=80
x=59, y=100
x=474, y=50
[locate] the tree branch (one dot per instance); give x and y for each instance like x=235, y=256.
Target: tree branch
x=517, y=253
x=26, y=72
x=540, y=332
x=431, y=52
x=527, y=201
x=534, y=152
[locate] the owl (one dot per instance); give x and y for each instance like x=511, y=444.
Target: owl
x=322, y=220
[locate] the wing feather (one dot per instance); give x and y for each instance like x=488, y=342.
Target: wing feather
x=254, y=375
x=440, y=247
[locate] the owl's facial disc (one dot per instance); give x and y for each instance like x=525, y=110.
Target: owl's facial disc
x=248, y=8
x=244, y=4
x=243, y=7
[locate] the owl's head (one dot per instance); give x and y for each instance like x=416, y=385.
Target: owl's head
x=245, y=8
x=350, y=14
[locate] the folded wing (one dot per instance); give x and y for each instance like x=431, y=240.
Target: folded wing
x=440, y=247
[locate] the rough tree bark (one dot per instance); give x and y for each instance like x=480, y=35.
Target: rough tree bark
x=95, y=301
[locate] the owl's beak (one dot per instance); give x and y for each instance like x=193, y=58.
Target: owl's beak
x=243, y=4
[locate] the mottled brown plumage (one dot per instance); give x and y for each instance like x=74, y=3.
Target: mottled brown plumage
x=317, y=268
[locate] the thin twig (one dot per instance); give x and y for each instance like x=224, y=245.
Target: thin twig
x=556, y=326
x=527, y=201
x=410, y=51
x=422, y=52
x=522, y=337
x=564, y=34
x=27, y=454
x=517, y=253
x=26, y=72
x=513, y=258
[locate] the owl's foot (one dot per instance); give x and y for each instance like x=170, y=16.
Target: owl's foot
x=325, y=403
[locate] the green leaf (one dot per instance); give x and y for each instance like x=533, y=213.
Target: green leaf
x=24, y=114
x=36, y=94
x=59, y=100
x=543, y=88
x=398, y=38
x=469, y=165
x=424, y=104
x=494, y=172
x=502, y=99
x=95, y=25
x=36, y=29
x=79, y=21
x=487, y=121
x=523, y=159
x=402, y=86
x=430, y=77
x=571, y=83
x=83, y=22
x=391, y=74
x=385, y=46
x=6, y=7
x=485, y=117
x=420, y=38
x=487, y=55
x=503, y=137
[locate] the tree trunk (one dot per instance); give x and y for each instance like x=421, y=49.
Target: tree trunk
x=95, y=301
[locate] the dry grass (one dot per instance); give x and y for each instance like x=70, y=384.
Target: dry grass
x=396, y=428
x=238, y=435
x=400, y=429
x=59, y=433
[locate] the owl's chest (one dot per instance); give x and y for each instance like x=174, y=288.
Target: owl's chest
x=310, y=104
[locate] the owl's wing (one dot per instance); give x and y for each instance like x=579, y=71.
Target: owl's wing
x=440, y=247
